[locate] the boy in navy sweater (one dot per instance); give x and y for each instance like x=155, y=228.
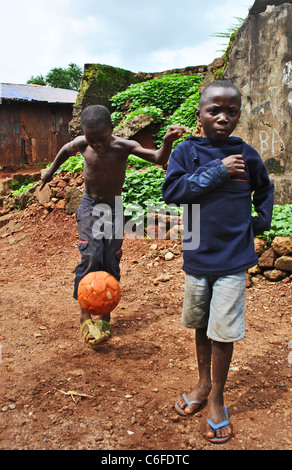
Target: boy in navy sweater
x=224, y=175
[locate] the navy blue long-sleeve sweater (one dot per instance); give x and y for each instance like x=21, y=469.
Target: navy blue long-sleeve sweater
x=196, y=175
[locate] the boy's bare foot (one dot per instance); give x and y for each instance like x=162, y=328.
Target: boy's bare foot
x=191, y=402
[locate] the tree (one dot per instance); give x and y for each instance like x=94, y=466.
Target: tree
x=58, y=77
x=37, y=80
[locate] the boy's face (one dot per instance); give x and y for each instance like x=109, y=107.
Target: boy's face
x=98, y=138
x=219, y=112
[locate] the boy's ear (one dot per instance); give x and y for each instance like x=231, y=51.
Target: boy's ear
x=198, y=113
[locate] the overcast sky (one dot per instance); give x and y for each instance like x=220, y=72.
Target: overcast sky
x=143, y=35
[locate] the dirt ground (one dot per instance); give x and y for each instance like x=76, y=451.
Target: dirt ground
x=124, y=393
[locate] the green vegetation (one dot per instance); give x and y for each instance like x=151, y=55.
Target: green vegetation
x=143, y=188
x=281, y=225
x=185, y=115
x=72, y=165
x=166, y=92
x=19, y=188
x=170, y=99
x=58, y=77
x=138, y=163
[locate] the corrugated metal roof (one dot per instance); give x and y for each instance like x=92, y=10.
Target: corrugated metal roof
x=11, y=91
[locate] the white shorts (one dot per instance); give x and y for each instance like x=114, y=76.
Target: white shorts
x=218, y=303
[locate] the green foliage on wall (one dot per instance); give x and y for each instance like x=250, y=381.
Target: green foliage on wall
x=170, y=99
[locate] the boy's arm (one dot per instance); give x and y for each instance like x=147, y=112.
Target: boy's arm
x=182, y=185
x=263, y=196
x=161, y=156
x=68, y=150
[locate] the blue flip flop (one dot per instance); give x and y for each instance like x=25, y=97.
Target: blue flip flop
x=215, y=439
x=182, y=412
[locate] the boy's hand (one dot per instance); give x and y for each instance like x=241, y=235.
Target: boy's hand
x=175, y=132
x=234, y=164
x=46, y=178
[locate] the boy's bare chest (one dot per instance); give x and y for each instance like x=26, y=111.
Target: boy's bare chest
x=104, y=166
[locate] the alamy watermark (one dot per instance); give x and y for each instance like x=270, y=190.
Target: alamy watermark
x=111, y=222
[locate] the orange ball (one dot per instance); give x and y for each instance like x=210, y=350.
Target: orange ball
x=99, y=293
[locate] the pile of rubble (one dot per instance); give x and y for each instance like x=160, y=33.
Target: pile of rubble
x=64, y=192
x=275, y=261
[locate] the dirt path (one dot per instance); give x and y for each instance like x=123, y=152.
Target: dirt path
x=133, y=381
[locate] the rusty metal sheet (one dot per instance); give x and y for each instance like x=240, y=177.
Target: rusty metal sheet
x=32, y=132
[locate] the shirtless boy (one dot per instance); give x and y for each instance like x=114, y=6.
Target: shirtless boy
x=105, y=161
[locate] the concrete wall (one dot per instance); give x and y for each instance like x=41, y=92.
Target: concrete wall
x=260, y=64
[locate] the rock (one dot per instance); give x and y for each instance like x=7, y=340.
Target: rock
x=175, y=232
x=169, y=256
x=254, y=270
x=284, y=263
x=7, y=219
x=133, y=126
x=4, y=187
x=107, y=426
x=267, y=259
x=61, y=184
x=248, y=282
x=163, y=278
x=72, y=198
x=43, y=196
x=154, y=247
x=259, y=246
x=60, y=194
x=282, y=245
x=274, y=275
x=21, y=201
x=60, y=204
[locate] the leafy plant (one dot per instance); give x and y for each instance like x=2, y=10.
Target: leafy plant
x=166, y=92
x=137, y=162
x=21, y=189
x=142, y=188
x=185, y=115
x=281, y=225
x=170, y=99
x=72, y=164
x=116, y=117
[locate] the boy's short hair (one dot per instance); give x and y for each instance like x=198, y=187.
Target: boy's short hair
x=95, y=115
x=219, y=84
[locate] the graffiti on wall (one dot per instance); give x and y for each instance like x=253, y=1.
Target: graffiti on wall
x=269, y=138
x=270, y=141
